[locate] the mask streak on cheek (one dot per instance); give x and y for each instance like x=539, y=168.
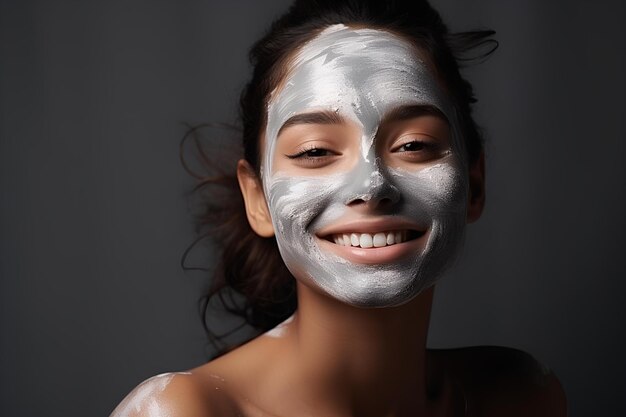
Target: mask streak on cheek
x=295, y=202
x=440, y=189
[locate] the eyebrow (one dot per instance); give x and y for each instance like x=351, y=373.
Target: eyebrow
x=412, y=111
x=325, y=117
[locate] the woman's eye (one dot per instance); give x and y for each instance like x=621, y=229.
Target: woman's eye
x=418, y=150
x=311, y=153
x=411, y=147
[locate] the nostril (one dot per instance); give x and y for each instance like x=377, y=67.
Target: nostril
x=385, y=202
x=358, y=201
x=373, y=202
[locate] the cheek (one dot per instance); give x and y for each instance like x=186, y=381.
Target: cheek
x=296, y=202
x=439, y=190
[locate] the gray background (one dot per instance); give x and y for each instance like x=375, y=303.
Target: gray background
x=94, y=215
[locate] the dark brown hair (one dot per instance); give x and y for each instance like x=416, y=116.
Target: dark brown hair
x=251, y=280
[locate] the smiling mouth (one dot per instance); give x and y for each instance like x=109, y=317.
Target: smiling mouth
x=374, y=240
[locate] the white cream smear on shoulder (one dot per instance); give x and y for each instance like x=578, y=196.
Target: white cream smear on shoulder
x=145, y=399
x=363, y=75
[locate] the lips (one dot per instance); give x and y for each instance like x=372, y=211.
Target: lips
x=373, y=241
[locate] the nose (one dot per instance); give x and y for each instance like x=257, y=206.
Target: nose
x=372, y=187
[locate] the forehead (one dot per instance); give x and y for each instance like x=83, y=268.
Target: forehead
x=359, y=73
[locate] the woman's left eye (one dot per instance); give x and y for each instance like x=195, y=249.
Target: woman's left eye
x=419, y=150
x=414, y=146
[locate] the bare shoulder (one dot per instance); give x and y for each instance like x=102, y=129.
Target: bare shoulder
x=503, y=381
x=216, y=388
x=173, y=395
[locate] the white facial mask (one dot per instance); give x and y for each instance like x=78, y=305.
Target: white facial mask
x=363, y=74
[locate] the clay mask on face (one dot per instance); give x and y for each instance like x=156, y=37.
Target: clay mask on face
x=363, y=75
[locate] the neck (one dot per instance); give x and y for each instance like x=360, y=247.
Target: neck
x=366, y=361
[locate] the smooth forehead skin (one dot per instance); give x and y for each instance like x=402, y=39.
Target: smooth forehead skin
x=362, y=74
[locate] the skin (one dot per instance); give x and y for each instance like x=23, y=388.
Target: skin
x=336, y=359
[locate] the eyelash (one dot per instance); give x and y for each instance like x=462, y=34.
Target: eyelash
x=305, y=153
x=424, y=146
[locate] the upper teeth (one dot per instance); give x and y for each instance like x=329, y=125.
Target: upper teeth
x=367, y=240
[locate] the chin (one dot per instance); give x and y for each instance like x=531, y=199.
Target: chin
x=377, y=288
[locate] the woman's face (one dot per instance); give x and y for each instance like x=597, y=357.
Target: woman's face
x=363, y=170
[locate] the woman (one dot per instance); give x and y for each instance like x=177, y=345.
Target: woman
x=362, y=166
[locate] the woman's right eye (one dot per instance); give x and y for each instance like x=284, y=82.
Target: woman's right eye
x=313, y=157
x=311, y=153
x=414, y=146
